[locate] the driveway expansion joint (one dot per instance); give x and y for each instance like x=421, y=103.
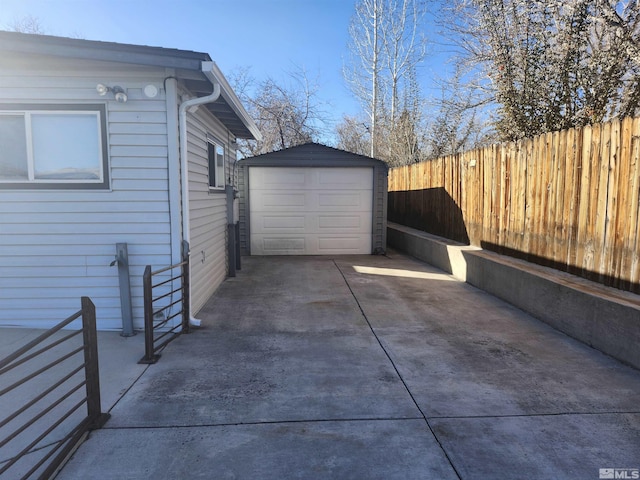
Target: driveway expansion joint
x=527, y=415
x=269, y=422
x=395, y=368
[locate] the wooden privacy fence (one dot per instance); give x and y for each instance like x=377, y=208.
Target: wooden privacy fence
x=567, y=199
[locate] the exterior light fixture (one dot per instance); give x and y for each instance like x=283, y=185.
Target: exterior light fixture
x=102, y=89
x=118, y=92
x=121, y=97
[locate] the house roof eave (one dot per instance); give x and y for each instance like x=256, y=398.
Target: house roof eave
x=105, y=51
x=187, y=65
x=234, y=104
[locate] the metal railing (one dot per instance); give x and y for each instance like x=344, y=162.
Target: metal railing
x=29, y=435
x=159, y=307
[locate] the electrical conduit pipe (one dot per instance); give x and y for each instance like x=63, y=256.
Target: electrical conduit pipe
x=207, y=69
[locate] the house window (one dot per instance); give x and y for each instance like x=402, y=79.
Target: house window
x=48, y=146
x=216, y=165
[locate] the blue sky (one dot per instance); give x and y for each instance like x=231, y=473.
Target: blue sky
x=270, y=37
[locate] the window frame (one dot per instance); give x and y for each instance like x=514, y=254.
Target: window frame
x=63, y=184
x=219, y=171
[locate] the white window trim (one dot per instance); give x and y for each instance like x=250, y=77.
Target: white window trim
x=27, y=110
x=221, y=173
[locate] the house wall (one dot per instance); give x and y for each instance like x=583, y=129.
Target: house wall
x=56, y=245
x=208, y=208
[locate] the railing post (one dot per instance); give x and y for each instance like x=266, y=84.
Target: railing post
x=149, y=356
x=122, y=260
x=186, y=313
x=92, y=372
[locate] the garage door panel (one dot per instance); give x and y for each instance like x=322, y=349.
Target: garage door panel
x=348, y=178
x=270, y=224
x=342, y=244
x=266, y=199
x=311, y=178
x=270, y=201
x=313, y=201
x=343, y=199
x=283, y=222
x=309, y=244
x=270, y=178
x=352, y=223
x=279, y=245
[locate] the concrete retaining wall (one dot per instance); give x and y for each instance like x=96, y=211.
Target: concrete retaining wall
x=604, y=318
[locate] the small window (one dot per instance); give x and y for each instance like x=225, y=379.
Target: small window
x=216, y=165
x=53, y=147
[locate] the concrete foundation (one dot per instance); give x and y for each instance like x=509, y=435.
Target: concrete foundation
x=604, y=318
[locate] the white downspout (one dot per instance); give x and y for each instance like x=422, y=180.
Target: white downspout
x=207, y=69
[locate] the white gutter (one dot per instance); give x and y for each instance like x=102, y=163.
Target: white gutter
x=208, y=69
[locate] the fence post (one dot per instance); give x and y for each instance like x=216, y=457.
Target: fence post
x=149, y=356
x=186, y=313
x=92, y=373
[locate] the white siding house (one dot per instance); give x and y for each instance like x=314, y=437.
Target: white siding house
x=80, y=172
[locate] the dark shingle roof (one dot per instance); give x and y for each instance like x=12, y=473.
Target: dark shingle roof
x=311, y=155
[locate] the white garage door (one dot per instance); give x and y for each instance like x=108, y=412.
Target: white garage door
x=310, y=211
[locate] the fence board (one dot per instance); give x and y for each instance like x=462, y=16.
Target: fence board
x=571, y=199
x=539, y=193
x=633, y=238
x=568, y=199
x=557, y=210
x=583, y=200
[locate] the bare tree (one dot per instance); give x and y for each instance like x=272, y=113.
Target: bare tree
x=403, y=44
x=623, y=18
x=353, y=135
x=552, y=64
x=456, y=122
x=385, y=44
x=27, y=24
x=286, y=114
x=363, y=73
x=405, y=136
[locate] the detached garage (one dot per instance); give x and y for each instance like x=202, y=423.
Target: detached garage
x=312, y=200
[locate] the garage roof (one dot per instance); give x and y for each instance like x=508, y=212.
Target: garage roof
x=312, y=155
x=187, y=65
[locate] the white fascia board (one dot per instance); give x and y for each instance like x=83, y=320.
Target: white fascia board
x=231, y=98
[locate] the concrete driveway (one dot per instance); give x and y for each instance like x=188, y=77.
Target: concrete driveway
x=367, y=367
